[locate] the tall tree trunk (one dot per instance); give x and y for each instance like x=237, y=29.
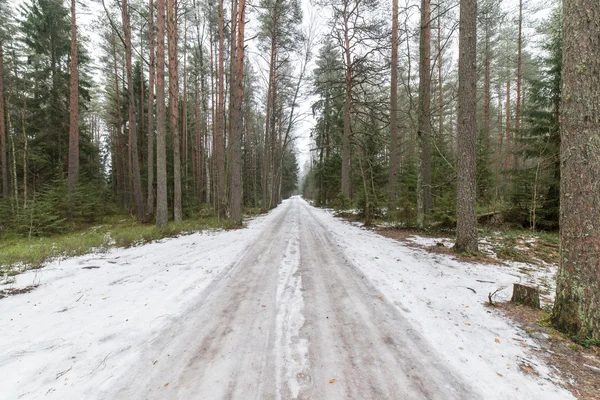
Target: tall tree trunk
x=184, y=106
x=162, y=210
x=151, y=74
x=135, y=163
x=346, y=164
x=519, y=82
x=3, y=149
x=440, y=66
x=424, y=123
x=15, y=184
x=393, y=172
x=507, y=141
x=219, y=150
x=118, y=163
x=466, y=189
x=25, y=152
x=237, y=121
x=487, y=93
x=73, y=169
x=577, y=306
x=269, y=154
x=174, y=106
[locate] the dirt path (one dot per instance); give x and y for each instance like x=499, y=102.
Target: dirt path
x=291, y=319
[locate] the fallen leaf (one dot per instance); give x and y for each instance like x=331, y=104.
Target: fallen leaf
x=497, y=340
x=380, y=298
x=332, y=381
x=166, y=384
x=154, y=362
x=499, y=374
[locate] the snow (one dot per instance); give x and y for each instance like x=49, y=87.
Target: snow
x=446, y=300
x=80, y=329
x=56, y=340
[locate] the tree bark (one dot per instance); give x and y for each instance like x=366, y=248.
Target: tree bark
x=3, y=149
x=119, y=163
x=393, y=172
x=151, y=76
x=73, y=168
x=174, y=106
x=219, y=150
x=269, y=149
x=577, y=306
x=466, y=192
x=237, y=121
x=424, y=123
x=346, y=164
x=519, y=82
x=162, y=211
x=135, y=166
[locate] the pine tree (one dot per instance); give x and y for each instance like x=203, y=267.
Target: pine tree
x=577, y=305
x=466, y=218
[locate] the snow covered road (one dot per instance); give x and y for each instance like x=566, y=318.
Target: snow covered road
x=297, y=305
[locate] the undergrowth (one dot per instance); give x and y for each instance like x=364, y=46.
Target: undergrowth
x=19, y=253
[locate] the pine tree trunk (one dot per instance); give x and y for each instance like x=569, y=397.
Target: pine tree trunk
x=73, y=169
x=577, y=305
x=151, y=75
x=219, y=150
x=466, y=193
x=346, y=164
x=269, y=155
x=424, y=124
x=118, y=163
x=174, y=106
x=519, y=82
x=507, y=141
x=393, y=172
x=135, y=166
x=237, y=121
x=440, y=66
x=162, y=211
x=3, y=149
x=25, y=152
x=185, y=144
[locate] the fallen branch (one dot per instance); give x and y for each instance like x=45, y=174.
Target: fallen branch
x=63, y=372
x=491, y=295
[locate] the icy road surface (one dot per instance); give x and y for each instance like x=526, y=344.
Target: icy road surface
x=298, y=305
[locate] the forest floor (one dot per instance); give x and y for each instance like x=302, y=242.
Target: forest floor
x=532, y=258
x=19, y=253
x=299, y=304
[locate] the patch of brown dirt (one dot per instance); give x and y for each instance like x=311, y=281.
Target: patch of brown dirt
x=11, y=292
x=578, y=367
x=403, y=235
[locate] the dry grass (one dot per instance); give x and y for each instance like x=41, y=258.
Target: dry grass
x=11, y=292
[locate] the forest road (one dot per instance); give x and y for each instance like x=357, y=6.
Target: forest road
x=291, y=318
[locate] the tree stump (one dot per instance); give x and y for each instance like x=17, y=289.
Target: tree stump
x=526, y=295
